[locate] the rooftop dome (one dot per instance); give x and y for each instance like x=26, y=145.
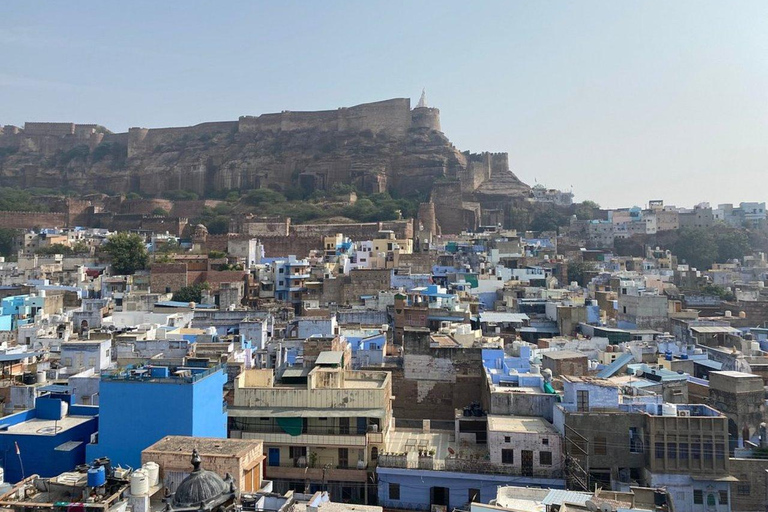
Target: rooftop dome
x=202, y=489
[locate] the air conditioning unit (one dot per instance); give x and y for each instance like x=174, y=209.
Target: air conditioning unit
x=683, y=413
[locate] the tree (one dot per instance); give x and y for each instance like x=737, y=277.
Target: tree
x=193, y=293
x=697, y=247
x=263, y=196
x=7, y=237
x=128, y=253
x=577, y=271
x=586, y=210
x=731, y=244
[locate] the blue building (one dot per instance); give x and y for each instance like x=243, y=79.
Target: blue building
x=47, y=440
x=138, y=408
x=21, y=309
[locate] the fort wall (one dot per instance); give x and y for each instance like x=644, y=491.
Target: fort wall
x=389, y=116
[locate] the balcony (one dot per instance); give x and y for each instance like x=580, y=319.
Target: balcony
x=343, y=441
x=290, y=472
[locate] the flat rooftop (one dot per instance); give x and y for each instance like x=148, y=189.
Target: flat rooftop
x=43, y=427
x=520, y=424
x=206, y=446
x=411, y=441
x=564, y=354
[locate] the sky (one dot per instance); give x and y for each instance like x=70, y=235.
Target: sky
x=621, y=101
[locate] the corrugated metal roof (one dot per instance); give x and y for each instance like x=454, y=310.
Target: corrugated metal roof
x=493, y=316
x=330, y=357
x=559, y=496
x=295, y=372
x=613, y=368
x=715, y=329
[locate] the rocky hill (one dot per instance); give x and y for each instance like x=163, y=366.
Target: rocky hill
x=378, y=147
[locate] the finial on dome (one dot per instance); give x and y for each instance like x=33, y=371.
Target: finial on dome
x=423, y=99
x=196, y=460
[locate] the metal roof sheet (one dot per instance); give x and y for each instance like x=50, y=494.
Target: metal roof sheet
x=559, y=496
x=613, y=368
x=330, y=357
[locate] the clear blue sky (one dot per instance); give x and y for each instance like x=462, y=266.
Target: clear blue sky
x=624, y=100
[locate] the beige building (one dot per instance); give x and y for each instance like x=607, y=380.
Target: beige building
x=243, y=459
x=529, y=444
x=319, y=425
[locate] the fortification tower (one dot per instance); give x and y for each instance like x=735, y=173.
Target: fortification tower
x=425, y=117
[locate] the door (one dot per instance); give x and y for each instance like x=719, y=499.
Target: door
x=343, y=457
x=439, y=496
x=274, y=456
x=344, y=426
x=527, y=462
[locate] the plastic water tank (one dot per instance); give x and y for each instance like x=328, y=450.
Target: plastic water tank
x=153, y=473
x=139, y=483
x=97, y=476
x=41, y=378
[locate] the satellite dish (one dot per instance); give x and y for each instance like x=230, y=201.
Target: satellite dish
x=591, y=506
x=606, y=508
x=638, y=373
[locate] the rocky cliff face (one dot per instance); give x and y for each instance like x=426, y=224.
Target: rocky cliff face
x=383, y=146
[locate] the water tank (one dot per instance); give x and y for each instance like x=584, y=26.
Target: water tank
x=153, y=473
x=2, y=476
x=742, y=314
x=139, y=483
x=728, y=314
x=41, y=378
x=97, y=476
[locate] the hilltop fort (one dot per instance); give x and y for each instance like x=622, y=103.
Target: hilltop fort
x=384, y=146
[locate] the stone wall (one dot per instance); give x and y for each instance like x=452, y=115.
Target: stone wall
x=28, y=220
x=390, y=116
x=446, y=379
x=167, y=277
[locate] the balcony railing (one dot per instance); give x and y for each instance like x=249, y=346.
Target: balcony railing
x=333, y=473
x=462, y=465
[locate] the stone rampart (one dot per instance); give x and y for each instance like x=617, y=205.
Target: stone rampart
x=389, y=116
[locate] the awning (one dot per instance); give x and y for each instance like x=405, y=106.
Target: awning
x=292, y=426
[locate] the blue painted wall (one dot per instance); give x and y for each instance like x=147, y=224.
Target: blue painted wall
x=415, y=486
x=37, y=451
x=135, y=414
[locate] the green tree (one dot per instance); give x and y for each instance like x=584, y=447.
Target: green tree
x=161, y=212
x=193, y=293
x=731, y=244
x=586, y=210
x=54, y=249
x=7, y=238
x=127, y=252
x=697, y=247
x=577, y=271
x=260, y=196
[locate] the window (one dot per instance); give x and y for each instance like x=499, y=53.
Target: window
x=671, y=450
x=707, y=451
x=507, y=456
x=682, y=451
x=545, y=441
x=719, y=451
x=743, y=489
x=695, y=451
x=599, y=446
x=698, y=497
x=474, y=495
x=723, y=497
x=507, y=439
x=582, y=400
x=394, y=491
x=659, y=450
x=545, y=458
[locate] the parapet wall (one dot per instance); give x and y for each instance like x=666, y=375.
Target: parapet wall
x=389, y=116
